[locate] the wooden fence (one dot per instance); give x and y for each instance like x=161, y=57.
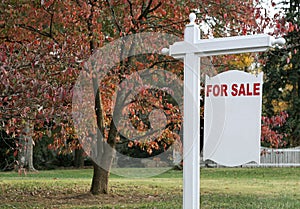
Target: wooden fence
x=270, y=158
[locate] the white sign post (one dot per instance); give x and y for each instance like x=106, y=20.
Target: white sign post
x=190, y=50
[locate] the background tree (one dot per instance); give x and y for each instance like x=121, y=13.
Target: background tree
x=282, y=75
x=35, y=86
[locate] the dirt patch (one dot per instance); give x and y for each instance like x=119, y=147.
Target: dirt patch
x=66, y=199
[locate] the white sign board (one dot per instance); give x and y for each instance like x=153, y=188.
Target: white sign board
x=232, y=118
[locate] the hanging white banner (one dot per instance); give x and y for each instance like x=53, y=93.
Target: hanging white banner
x=232, y=118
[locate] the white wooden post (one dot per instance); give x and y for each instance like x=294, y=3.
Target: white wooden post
x=190, y=50
x=191, y=124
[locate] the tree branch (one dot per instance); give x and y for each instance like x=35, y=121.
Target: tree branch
x=130, y=6
x=51, y=24
x=7, y=39
x=114, y=16
x=90, y=27
x=45, y=34
x=155, y=8
x=147, y=10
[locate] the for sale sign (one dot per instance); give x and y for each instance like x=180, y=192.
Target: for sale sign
x=232, y=118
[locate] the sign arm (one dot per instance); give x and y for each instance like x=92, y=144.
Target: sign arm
x=227, y=45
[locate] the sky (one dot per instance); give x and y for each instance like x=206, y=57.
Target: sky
x=271, y=11
x=266, y=7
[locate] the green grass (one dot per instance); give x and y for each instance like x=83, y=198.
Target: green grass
x=220, y=188
x=250, y=188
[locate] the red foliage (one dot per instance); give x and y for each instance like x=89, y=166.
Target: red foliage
x=271, y=136
x=43, y=46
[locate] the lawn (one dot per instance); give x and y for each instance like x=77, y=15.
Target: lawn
x=250, y=188
x=220, y=188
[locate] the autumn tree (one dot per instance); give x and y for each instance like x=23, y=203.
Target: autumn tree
x=154, y=17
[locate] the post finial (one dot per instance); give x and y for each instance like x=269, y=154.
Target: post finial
x=165, y=51
x=192, y=18
x=278, y=41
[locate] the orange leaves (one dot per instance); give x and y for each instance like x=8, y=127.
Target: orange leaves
x=155, y=120
x=130, y=144
x=292, y=27
x=37, y=42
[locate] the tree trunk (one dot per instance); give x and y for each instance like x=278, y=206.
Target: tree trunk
x=100, y=180
x=102, y=168
x=105, y=154
x=26, y=152
x=21, y=163
x=30, y=153
x=79, y=160
x=105, y=151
